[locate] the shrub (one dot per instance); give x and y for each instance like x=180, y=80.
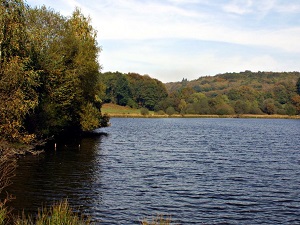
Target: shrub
x=170, y=111
x=144, y=111
x=224, y=109
x=160, y=112
x=60, y=213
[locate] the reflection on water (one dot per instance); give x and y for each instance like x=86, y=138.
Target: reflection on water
x=68, y=172
x=236, y=171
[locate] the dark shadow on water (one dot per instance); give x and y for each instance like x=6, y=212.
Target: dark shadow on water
x=65, y=171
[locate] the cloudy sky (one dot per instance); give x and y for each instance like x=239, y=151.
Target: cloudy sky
x=174, y=39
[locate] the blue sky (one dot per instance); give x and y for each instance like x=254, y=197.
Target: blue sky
x=174, y=39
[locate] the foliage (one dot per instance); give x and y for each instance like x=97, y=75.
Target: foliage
x=296, y=103
x=144, y=111
x=133, y=90
x=49, y=73
x=18, y=81
x=70, y=89
x=170, y=111
x=235, y=93
x=298, y=86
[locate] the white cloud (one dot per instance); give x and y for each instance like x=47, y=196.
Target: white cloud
x=239, y=7
x=138, y=23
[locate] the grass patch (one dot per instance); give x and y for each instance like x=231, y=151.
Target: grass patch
x=59, y=214
x=158, y=220
x=114, y=110
x=110, y=109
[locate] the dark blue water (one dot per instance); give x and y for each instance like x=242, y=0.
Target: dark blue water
x=198, y=171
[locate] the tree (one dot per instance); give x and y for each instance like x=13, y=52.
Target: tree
x=65, y=51
x=170, y=111
x=146, y=91
x=18, y=80
x=296, y=102
x=298, y=86
x=242, y=107
x=269, y=106
x=123, y=93
x=182, y=106
x=280, y=94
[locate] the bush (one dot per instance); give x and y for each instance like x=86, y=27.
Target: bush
x=290, y=110
x=160, y=112
x=225, y=110
x=170, y=111
x=144, y=111
x=132, y=104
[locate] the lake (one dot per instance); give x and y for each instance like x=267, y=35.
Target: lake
x=198, y=171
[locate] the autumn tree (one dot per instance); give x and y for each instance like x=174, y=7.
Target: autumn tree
x=64, y=51
x=18, y=80
x=269, y=106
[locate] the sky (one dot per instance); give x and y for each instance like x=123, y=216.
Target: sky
x=174, y=39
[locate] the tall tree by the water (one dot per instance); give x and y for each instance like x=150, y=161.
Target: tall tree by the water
x=49, y=73
x=18, y=80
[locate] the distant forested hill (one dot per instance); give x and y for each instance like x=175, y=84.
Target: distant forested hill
x=222, y=83
x=236, y=93
x=230, y=93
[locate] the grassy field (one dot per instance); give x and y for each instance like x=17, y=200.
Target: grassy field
x=123, y=111
x=112, y=109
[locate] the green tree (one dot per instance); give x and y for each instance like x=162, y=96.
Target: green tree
x=123, y=93
x=146, y=91
x=64, y=51
x=280, y=94
x=290, y=110
x=170, y=110
x=269, y=106
x=298, y=86
x=242, y=107
x=18, y=81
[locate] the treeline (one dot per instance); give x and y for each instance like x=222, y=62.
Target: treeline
x=224, y=94
x=49, y=73
x=133, y=90
x=235, y=93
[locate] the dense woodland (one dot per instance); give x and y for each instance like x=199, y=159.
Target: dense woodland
x=133, y=90
x=224, y=94
x=49, y=73
x=236, y=93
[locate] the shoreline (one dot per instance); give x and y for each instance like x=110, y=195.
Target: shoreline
x=242, y=116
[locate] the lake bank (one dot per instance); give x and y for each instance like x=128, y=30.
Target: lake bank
x=117, y=111
x=245, y=116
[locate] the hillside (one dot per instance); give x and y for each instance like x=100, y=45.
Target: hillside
x=236, y=93
x=222, y=83
x=223, y=94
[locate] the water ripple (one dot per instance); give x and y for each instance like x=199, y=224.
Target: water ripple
x=198, y=171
